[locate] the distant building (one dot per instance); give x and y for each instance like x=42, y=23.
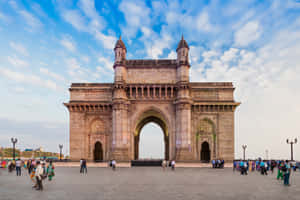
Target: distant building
x=28, y=150
x=41, y=149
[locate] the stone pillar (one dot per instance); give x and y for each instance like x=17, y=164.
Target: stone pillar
x=183, y=131
x=77, y=136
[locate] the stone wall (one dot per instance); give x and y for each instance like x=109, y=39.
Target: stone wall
x=151, y=75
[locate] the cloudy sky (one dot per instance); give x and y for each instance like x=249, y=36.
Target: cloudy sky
x=46, y=45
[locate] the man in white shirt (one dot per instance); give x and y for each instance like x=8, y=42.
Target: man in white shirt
x=113, y=164
x=173, y=164
x=38, y=175
x=18, y=167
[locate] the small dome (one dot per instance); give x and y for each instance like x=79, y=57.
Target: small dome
x=120, y=44
x=182, y=44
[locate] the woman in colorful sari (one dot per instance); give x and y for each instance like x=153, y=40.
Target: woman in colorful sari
x=50, y=170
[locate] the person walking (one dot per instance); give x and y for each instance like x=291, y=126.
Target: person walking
x=81, y=169
x=173, y=165
x=279, y=170
x=164, y=164
x=50, y=171
x=113, y=164
x=84, y=166
x=18, y=167
x=38, y=175
x=234, y=165
x=286, y=173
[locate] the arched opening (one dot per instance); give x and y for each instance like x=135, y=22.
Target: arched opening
x=151, y=142
x=156, y=131
x=205, y=152
x=98, y=152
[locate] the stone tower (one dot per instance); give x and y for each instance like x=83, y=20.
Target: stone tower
x=119, y=147
x=183, y=104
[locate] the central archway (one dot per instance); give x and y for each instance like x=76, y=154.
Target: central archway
x=148, y=117
x=151, y=144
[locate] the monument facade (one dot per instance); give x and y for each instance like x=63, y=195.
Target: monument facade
x=197, y=118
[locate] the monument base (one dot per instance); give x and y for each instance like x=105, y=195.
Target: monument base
x=184, y=154
x=120, y=154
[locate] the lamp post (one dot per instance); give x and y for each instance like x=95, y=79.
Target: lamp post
x=291, y=142
x=244, y=149
x=14, y=141
x=60, y=148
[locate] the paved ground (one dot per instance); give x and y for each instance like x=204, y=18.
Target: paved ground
x=145, y=183
x=127, y=164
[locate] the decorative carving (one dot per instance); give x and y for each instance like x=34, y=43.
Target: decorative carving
x=98, y=127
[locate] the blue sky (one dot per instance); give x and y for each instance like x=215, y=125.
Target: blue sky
x=46, y=45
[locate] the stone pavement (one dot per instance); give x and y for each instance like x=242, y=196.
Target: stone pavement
x=143, y=183
x=127, y=164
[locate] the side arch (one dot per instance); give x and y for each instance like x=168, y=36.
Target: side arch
x=98, y=151
x=206, y=135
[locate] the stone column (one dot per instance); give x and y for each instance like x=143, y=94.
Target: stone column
x=183, y=123
x=120, y=143
x=183, y=131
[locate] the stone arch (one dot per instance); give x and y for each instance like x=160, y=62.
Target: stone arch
x=97, y=131
x=150, y=114
x=205, y=151
x=206, y=134
x=98, y=151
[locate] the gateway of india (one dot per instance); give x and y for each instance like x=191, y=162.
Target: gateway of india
x=197, y=118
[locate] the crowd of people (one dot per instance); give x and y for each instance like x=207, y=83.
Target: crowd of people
x=219, y=163
x=284, y=168
x=37, y=170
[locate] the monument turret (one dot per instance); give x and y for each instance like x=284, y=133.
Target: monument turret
x=183, y=61
x=120, y=61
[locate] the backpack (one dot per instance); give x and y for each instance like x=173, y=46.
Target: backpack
x=283, y=168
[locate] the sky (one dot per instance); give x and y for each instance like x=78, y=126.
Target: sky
x=47, y=45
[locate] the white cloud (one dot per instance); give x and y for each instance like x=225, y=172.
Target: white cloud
x=89, y=21
x=68, y=43
x=46, y=71
x=172, y=55
x=156, y=46
x=108, y=64
x=89, y=9
x=13, y=4
x=19, y=89
x=32, y=21
x=84, y=58
x=76, y=72
x=248, y=33
x=202, y=22
x=136, y=14
x=19, y=48
x=28, y=79
x=4, y=17
x=229, y=55
x=75, y=19
x=17, y=62
x=108, y=41
x=195, y=53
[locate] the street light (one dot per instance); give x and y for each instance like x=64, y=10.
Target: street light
x=291, y=142
x=14, y=141
x=60, y=148
x=244, y=149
